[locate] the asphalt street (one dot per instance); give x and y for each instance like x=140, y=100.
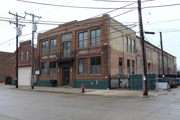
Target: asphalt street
x=18, y=104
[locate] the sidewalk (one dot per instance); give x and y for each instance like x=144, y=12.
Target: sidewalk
x=99, y=92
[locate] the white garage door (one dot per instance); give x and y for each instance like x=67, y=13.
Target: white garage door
x=24, y=76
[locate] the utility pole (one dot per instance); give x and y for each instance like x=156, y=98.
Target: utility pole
x=34, y=28
x=162, y=56
x=18, y=33
x=145, y=93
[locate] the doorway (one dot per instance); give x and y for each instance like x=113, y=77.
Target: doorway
x=66, y=76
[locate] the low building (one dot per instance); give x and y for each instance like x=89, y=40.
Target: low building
x=24, y=63
x=6, y=60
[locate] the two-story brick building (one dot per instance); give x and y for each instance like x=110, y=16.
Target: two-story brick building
x=90, y=51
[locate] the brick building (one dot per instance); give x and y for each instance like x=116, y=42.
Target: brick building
x=24, y=63
x=6, y=60
x=90, y=51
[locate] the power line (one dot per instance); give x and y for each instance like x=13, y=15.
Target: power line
x=67, y=6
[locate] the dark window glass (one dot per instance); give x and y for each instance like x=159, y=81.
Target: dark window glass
x=133, y=45
x=95, y=37
x=53, y=46
x=96, y=65
x=44, y=68
x=126, y=43
x=120, y=66
x=128, y=66
x=82, y=66
x=133, y=70
x=52, y=68
x=83, y=40
x=130, y=45
x=66, y=49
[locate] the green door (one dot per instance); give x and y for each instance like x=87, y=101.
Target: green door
x=66, y=76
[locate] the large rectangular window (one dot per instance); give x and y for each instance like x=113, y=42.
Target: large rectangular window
x=95, y=37
x=128, y=66
x=44, y=47
x=82, y=66
x=126, y=43
x=66, y=49
x=53, y=46
x=83, y=38
x=133, y=46
x=96, y=65
x=120, y=66
x=133, y=70
x=52, y=68
x=44, y=68
x=130, y=45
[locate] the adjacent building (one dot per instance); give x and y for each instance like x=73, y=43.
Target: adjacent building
x=24, y=63
x=6, y=60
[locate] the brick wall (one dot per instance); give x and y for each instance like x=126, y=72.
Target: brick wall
x=6, y=64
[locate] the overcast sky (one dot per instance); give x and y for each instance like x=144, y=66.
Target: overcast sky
x=165, y=19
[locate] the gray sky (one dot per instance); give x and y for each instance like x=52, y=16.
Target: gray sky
x=157, y=19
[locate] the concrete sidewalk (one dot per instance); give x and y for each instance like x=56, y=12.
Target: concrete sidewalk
x=99, y=92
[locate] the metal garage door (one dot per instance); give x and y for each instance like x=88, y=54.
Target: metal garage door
x=24, y=76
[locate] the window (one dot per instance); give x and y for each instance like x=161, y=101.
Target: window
x=126, y=43
x=120, y=66
x=27, y=53
x=52, y=68
x=133, y=70
x=21, y=56
x=82, y=66
x=66, y=49
x=149, y=55
x=130, y=45
x=44, y=68
x=133, y=45
x=83, y=40
x=149, y=66
x=128, y=66
x=44, y=47
x=96, y=65
x=95, y=37
x=53, y=46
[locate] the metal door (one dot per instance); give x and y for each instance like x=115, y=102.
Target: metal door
x=66, y=76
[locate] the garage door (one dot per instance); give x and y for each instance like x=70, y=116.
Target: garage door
x=24, y=76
